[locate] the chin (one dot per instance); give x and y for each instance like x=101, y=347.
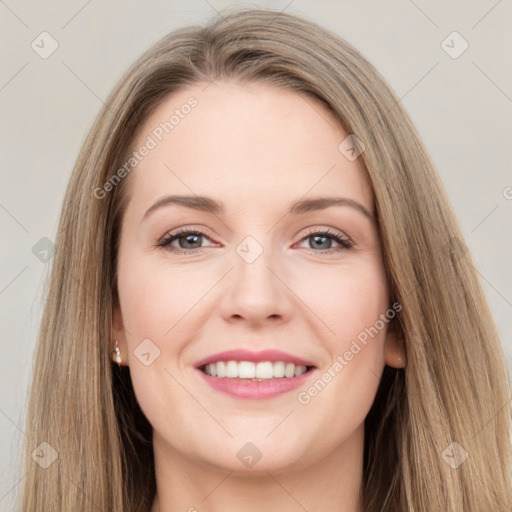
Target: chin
x=254, y=455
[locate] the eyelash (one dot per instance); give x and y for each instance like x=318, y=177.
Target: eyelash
x=167, y=240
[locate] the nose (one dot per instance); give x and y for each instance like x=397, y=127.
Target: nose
x=257, y=293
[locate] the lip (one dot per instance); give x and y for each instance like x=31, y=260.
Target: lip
x=255, y=357
x=255, y=390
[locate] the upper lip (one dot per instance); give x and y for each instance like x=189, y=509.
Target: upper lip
x=256, y=357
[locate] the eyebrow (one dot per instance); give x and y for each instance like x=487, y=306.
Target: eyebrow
x=300, y=207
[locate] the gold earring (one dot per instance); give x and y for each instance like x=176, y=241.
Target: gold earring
x=116, y=354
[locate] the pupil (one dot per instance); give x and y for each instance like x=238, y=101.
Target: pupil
x=315, y=237
x=188, y=239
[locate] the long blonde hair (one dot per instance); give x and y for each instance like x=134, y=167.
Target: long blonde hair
x=455, y=387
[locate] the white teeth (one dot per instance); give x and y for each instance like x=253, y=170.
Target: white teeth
x=250, y=370
x=221, y=368
x=265, y=370
x=246, y=369
x=289, y=370
x=299, y=370
x=279, y=369
x=231, y=369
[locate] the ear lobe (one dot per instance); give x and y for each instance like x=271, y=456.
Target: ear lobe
x=394, y=350
x=118, y=333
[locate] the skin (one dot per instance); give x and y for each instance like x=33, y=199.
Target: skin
x=256, y=148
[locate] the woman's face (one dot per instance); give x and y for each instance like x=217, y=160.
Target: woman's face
x=280, y=288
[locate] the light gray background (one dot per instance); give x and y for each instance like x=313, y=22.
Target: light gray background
x=462, y=108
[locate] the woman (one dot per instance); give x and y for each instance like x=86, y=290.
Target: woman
x=259, y=368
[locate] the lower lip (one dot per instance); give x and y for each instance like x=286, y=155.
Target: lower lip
x=255, y=390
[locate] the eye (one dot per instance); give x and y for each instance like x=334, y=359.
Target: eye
x=189, y=241
x=322, y=239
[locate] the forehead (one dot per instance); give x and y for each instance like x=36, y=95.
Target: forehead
x=244, y=143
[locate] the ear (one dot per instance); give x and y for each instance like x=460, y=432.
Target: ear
x=394, y=349
x=119, y=334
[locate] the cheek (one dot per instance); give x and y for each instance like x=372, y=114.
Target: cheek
x=154, y=302
x=155, y=298
x=350, y=302
x=353, y=307
x=346, y=301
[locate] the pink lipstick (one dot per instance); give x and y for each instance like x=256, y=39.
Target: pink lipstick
x=254, y=375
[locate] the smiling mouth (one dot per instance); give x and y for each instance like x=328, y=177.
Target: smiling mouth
x=251, y=371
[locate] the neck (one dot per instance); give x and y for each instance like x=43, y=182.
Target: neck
x=332, y=482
